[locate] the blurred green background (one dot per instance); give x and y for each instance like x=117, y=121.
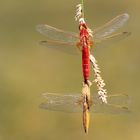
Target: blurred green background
x=27, y=70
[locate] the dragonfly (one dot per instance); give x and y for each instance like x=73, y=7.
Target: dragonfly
x=65, y=40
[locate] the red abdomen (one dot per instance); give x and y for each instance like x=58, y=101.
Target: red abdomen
x=85, y=62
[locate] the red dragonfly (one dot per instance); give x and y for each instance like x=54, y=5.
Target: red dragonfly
x=60, y=39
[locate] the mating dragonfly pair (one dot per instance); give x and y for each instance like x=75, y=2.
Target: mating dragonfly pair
x=60, y=40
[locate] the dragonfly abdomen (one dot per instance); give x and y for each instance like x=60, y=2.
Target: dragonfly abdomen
x=85, y=63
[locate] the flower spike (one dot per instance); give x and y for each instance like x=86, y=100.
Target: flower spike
x=102, y=93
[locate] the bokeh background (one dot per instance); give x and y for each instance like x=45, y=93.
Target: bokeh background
x=27, y=70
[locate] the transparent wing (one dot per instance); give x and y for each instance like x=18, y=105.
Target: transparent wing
x=61, y=46
x=110, y=27
x=117, y=104
x=65, y=103
x=111, y=39
x=57, y=34
x=73, y=103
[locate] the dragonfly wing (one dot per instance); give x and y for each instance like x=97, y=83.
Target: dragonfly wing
x=60, y=46
x=117, y=104
x=119, y=99
x=64, y=103
x=73, y=103
x=111, y=39
x=57, y=34
x=110, y=27
x=109, y=109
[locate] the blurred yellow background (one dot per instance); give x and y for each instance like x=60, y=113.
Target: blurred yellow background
x=27, y=70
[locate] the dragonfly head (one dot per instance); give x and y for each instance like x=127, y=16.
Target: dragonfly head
x=82, y=23
x=83, y=26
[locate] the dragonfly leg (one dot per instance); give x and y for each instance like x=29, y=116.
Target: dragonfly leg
x=78, y=45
